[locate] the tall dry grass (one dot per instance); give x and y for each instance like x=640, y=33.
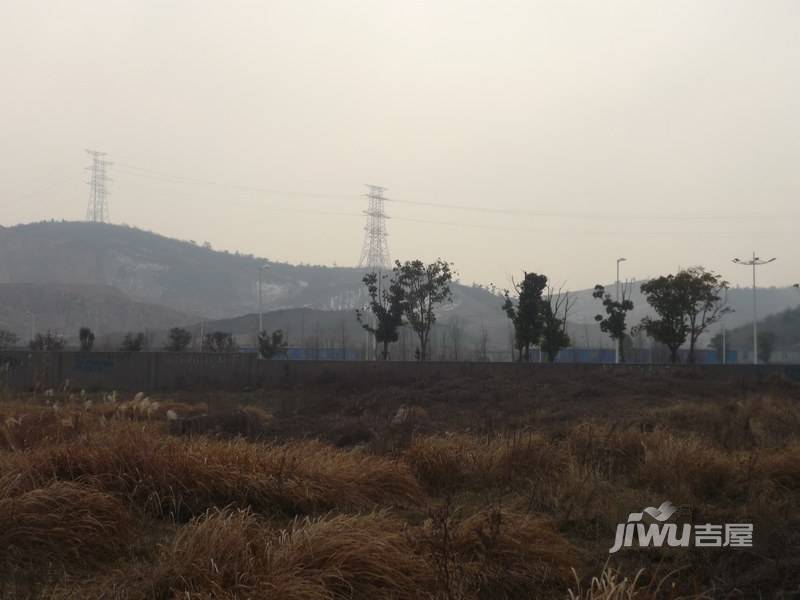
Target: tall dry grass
x=62, y=523
x=495, y=553
x=305, y=520
x=23, y=427
x=611, y=584
x=230, y=554
x=182, y=478
x=446, y=463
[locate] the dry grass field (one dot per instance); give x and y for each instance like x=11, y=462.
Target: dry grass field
x=446, y=488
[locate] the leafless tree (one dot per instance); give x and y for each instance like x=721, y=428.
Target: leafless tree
x=482, y=344
x=554, y=332
x=344, y=340
x=456, y=331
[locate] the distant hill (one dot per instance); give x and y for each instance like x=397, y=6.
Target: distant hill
x=159, y=282
x=785, y=326
x=188, y=279
x=153, y=268
x=770, y=301
x=67, y=308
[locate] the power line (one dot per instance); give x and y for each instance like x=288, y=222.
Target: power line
x=160, y=175
x=59, y=182
x=483, y=226
x=137, y=171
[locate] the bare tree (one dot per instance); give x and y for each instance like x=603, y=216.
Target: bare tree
x=456, y=330
x=482, y=345
x=443, y=351
x=344, y=339
x=404, y=343
x=8, y=339
x=554, y=333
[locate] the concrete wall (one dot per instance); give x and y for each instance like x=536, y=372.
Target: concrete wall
x=147, y=371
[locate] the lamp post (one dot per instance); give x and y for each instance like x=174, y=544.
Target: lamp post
x=619, y=341
x=754, y=262
x=33, y=324
x=261, y=270
x=725, y=336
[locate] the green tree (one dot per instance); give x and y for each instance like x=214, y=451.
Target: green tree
x=47, y=342
x=716, y=344
x=425, y=287
x=556, y=307
x=178, y=339
x=8, y=339
x=687, y=303
x=272, y=345
x=86, y=337
x=387, y=304
x=219, y=341
x=766, y=345
x=527, y=313
x=667, y=296
x=704, y=302
x=133, y=342
x=615, y=321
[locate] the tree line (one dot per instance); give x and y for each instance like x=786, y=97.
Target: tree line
x=408, y=297
x=685, y=304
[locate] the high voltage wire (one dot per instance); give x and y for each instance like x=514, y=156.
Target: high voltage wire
x=360, y=215
x=57, y=183
x=139, y=171
x=172, y=178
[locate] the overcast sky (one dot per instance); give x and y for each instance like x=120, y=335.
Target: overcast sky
x=562, y=135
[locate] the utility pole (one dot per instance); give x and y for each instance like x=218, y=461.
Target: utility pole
x=261, y=270
x=97, y=211
x=755, y=262
x=375, y=249
x=725, y=335
x=619, y=341
x=33, y=324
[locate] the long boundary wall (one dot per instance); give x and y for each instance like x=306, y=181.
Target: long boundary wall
x=149, y=371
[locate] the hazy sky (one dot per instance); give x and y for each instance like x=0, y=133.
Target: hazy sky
x=666, y=132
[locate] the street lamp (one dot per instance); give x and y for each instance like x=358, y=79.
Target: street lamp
x=755, y=262
x=33, y=324
x=619, y=341
x=261, y=270
x=725, y=335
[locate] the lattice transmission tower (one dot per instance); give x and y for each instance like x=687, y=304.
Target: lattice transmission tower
x=97, y=210
x=375, y=250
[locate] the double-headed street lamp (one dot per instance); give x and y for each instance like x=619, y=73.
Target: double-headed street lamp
x=754, y=262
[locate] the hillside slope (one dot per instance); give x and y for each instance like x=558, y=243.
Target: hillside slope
x=191, y=279
x=194, y=280
x=157, y=269
x=67, y=308
x=784, y=326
